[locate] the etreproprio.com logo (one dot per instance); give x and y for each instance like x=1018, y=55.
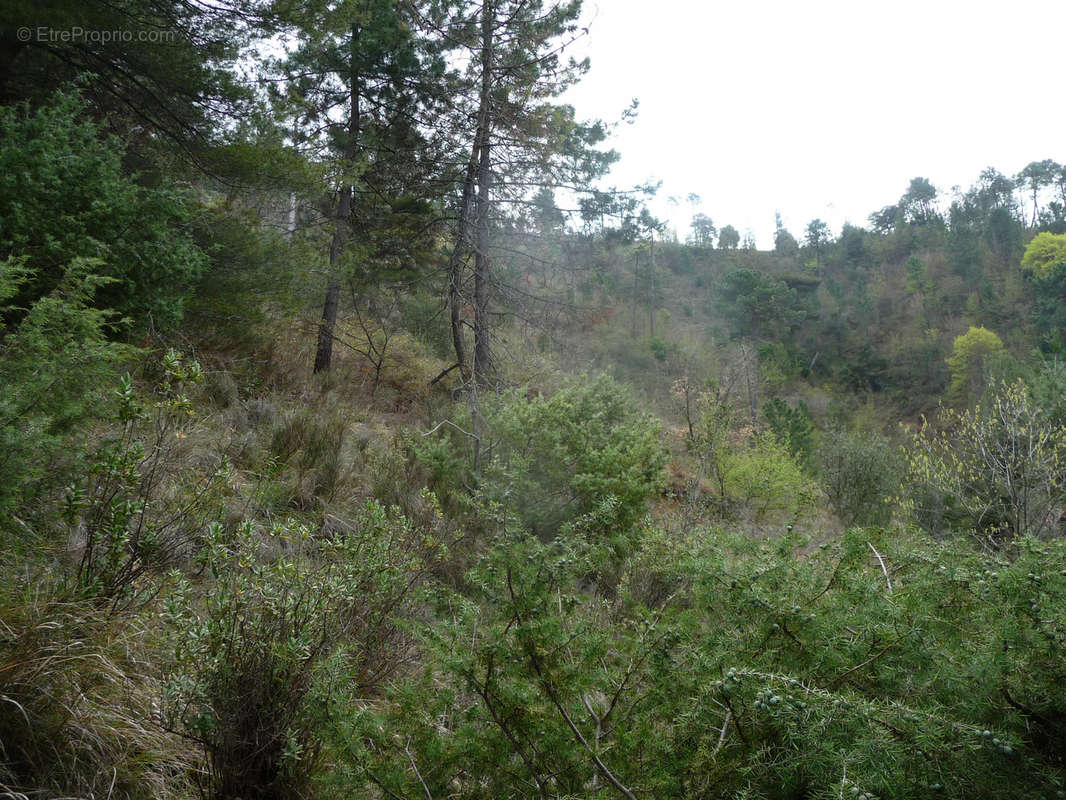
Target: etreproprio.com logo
x=93, y=35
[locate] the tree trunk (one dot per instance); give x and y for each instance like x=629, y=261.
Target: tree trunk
x=482, y=266
x=636, y=293
x=342, y=225
x=651, y=287
x=455, y=268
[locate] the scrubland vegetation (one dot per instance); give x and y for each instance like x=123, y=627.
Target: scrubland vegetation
x=536, y=503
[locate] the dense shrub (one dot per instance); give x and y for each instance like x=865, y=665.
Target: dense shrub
x=793, y=427
x=247, y=681
x=559, y=458
x=64, y=196
x=54, y=358
x=585, y=455
x=860, y=474
x=895, y=667
x=762, y=476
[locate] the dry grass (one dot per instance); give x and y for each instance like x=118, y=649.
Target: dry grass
x=78, y=707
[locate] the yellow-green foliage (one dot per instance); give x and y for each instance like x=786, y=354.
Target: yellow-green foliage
x=995, y=471
x=1044, y=253
x=765, y=477
x=968, y=361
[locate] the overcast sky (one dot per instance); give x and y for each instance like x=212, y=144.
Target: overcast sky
x=822, y=108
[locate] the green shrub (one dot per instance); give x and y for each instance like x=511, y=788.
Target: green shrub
x=63, y=197
x=137, y=511
x=891, y=667
x=555, y=460
x=762, y=476
x=659, y=348
x=793, y=427
x=249, y=654
x=54, y=358
x=860, y=474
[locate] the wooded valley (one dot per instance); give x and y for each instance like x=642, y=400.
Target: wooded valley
x=360, y=439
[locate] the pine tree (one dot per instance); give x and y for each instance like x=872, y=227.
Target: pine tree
x=523, y=139
x=355, y=91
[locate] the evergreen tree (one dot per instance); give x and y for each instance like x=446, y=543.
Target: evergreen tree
x=523, y=139
x=353, y=92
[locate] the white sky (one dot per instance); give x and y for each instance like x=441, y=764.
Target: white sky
x=822, y=108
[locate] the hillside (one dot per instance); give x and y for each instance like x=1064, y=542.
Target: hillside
x=337, y=460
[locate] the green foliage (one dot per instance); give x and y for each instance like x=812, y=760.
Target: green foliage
x=1045, y=261
x=660, y=348
x=834, y=676
x=1048, y=388
x=251, y=673
x=63, y=196
x=583, y=456
x=792, y=426
x=758, y=305
x=763, y=476
x=995, y=472
x=117, y=518
x=1044, y=254
x=728, y=238
x=860, y=474
x=968, y=362
x=521, y=667
x=561, y=458
x=754, y=470
x=917, y=276
x=785, y=243
x=896, y=667
x=161, y=72
x=917, y=203
x=54, y=357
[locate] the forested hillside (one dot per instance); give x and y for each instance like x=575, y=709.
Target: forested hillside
x=360, y=439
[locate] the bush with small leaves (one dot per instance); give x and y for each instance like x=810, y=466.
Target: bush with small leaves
x=860, y=474
x=54, y=357
x=64, y=197
x=884, y=666
x=120, y=523
x=557, y=459
x=250, y=650
x=996, y=472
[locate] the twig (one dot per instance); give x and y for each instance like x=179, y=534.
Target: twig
x=414, y=766
x=549, y=689
x=881, y=561
x=436, y=380
x=868, y=661
x=725, y=728
x=436, y=427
